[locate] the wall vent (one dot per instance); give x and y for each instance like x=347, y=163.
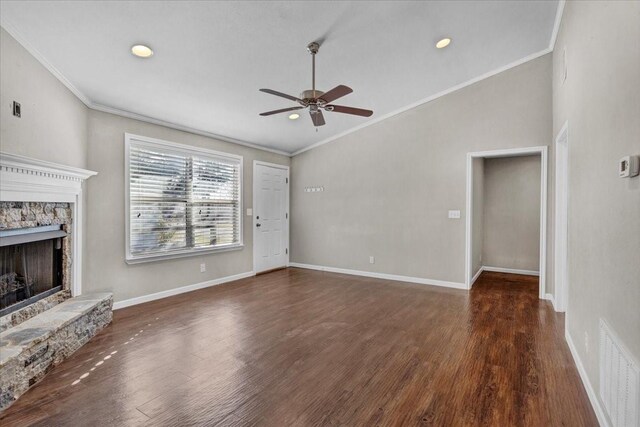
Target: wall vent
x=619, y=380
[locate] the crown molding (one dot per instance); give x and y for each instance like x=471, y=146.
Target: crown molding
x=128, y=114
x=147, y=119
x=556, y=24
x=10, y=28
x=427, y=100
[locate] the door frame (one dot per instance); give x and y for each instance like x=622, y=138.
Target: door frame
x=253, y=214
x=561, y=222
x=511, y=152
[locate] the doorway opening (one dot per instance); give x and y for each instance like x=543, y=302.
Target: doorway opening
x=511, y=215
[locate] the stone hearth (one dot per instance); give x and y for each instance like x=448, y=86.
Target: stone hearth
x=26, y=313
x=28, y=351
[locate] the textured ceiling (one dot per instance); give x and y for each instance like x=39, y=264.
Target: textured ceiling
x=212, y=57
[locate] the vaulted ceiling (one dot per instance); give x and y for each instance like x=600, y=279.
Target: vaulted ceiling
x=210, y=58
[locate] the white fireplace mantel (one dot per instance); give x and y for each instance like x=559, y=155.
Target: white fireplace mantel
x=24, y=179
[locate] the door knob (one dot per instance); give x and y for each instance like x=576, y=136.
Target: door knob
x=258, y=225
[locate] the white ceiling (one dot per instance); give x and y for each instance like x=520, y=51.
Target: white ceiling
x=212, y=57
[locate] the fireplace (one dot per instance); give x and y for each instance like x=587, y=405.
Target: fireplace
x=31, y=265
x=44, y=315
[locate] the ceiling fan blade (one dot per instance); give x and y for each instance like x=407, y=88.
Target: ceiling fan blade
x=337, y=92
x=317, y=118
x=349, y=110
x=283, y=110
x=283, y=95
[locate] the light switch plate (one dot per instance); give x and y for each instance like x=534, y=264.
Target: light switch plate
x=629, y=166
x=249, y=212
x=454, y=214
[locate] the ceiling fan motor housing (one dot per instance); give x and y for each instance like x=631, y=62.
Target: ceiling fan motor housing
x=308, y=98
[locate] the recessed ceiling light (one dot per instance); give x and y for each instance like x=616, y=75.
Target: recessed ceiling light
x=443, y=43
x=294, y=116
x=141, y=51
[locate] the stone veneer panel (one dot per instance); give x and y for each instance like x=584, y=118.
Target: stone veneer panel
x=30, y=350
x=33, y=214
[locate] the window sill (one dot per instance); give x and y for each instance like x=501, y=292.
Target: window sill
x=181, y=254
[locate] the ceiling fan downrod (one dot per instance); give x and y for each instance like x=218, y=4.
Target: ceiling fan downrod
x=313, y=48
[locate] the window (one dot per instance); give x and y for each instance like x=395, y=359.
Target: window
x=182, y=200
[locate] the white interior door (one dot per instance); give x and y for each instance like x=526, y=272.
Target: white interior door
x=270, y=216
x=561, y=220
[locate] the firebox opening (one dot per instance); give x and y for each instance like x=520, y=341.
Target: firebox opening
x=30, y=266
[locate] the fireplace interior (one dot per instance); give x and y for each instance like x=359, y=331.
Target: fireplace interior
x=30, y=265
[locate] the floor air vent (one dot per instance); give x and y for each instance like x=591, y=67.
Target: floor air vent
x=619, y=380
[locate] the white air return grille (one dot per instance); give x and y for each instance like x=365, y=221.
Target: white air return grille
x=619, y=380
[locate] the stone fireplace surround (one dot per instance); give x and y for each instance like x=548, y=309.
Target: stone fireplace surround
x=16, y=215
x=45, y=184
x=35, y=338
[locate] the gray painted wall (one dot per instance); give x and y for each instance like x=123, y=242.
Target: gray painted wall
x=601, y=101
x=511, y=229
x=104, y=263
x=53, y=125
x=477, y=226
x=388, y=187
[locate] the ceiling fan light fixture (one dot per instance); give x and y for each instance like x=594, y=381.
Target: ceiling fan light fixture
x=141, y=51
x=443, y=43
x=294, y=116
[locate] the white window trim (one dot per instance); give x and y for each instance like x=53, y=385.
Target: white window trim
x=181, y=148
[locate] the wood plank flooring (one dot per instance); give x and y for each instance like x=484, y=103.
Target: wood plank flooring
x=306, y=348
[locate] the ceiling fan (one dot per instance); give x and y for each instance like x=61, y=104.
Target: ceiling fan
x=317, y=100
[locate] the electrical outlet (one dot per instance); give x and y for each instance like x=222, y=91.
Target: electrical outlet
x=586, y=341
x=203, y=267
x=454, y=214
x=372, y=260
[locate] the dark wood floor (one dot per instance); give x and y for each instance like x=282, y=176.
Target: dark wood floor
x=300, y=347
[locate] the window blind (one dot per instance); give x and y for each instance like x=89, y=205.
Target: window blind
x=181, y=202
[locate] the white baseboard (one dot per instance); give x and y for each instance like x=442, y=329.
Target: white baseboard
x=549, y=297
x=593, y=397
x=386, y=276
x=477, y=275
x=511, y=270
x=181, y=290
